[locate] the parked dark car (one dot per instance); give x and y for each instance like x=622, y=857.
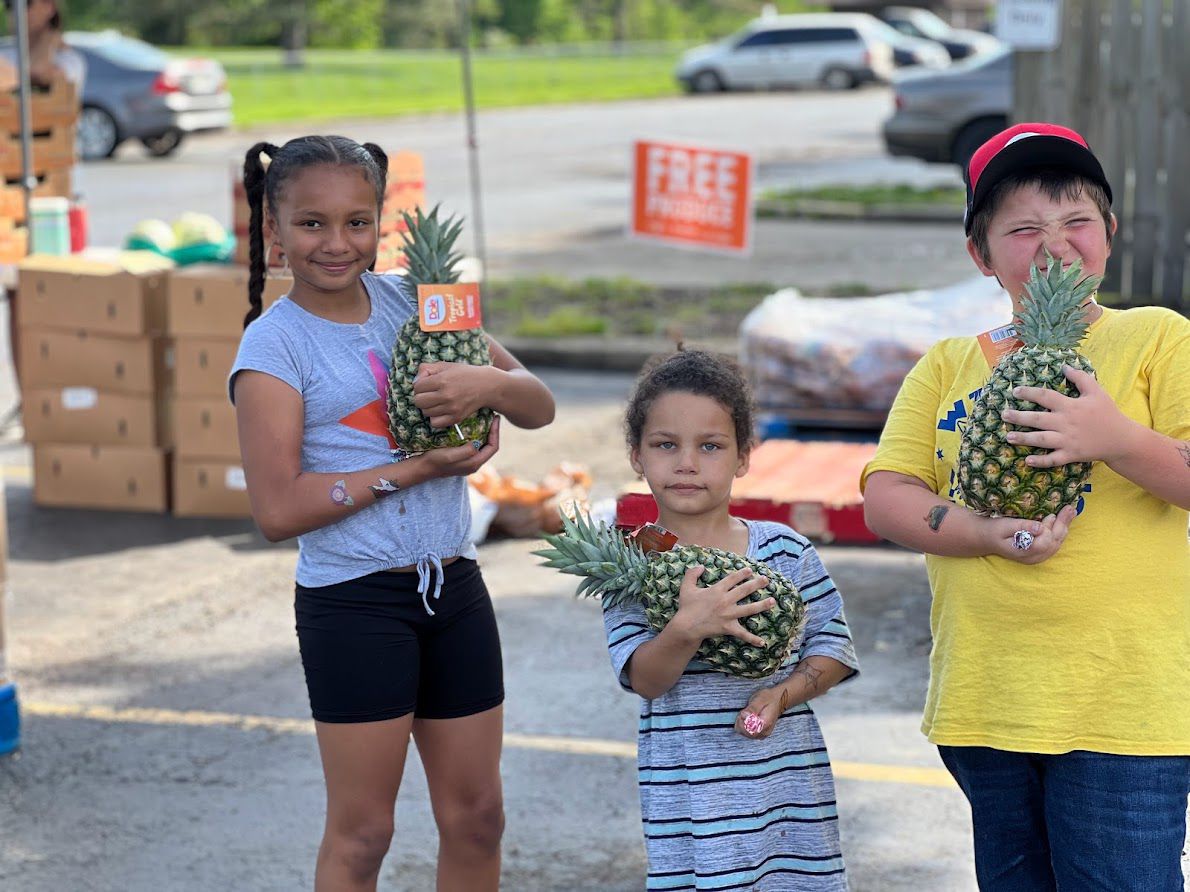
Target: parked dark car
x=135, y=91
x=923, y=23
x=946, y=115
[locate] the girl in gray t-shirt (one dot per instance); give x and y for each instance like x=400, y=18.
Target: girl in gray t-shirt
x=395, y=627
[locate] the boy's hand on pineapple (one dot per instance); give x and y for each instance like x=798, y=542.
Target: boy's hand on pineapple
x=449, y=392
x=460, y=461
x=707, y=611
x=1086, y=428
x=1048, y=536
x=758, y=719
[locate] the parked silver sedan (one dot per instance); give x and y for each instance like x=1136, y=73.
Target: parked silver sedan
x=136, y=91
x=946, y=115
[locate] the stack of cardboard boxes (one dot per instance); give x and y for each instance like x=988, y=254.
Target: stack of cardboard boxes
x=91, y=375
x=53, y=114
x=123, y=370
x=205, y=320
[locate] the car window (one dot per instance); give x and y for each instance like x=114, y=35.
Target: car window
x=127, y=52
x=828, y=35
x=929, y=24
x=760, y=38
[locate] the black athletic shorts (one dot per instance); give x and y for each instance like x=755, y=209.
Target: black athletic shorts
x=372, y=652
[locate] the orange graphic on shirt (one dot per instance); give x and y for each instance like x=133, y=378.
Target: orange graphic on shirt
x=373, y=417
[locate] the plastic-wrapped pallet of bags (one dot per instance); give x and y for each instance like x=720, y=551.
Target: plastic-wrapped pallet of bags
x=805, y=353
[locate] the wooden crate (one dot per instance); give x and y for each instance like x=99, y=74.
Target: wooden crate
x=58, y=106
x=12, y=196
x=53, y=152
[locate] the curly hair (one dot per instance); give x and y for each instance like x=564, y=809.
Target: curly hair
x=701, y=373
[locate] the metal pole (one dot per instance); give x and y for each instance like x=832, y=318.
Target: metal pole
x=472, y=140
x=28, y=180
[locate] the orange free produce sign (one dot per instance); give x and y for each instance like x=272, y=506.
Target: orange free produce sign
x=698, y=197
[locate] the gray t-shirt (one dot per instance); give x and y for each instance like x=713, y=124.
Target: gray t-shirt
x=341, y=372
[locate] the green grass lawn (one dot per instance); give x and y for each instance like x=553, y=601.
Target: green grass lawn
x=899, y=194
x=344, y=83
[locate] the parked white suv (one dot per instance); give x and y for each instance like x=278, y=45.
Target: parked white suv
x=836, y=50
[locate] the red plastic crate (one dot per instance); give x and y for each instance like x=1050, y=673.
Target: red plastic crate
x=813, y=486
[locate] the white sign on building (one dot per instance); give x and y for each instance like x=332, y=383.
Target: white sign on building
x=1029, y=24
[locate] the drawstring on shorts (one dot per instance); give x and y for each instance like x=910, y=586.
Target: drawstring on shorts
x=426, y=567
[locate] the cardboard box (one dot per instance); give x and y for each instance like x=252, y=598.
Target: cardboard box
x=89, y=416
x=209, y=488
x=50, y=358
x=108, y=477
x=204, y=427
x=211, y=300
x=125, y=296
x=200, y=366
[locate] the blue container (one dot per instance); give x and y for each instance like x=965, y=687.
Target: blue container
x=10, y=719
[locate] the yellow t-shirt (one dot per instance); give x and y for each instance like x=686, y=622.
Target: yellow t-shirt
x=1090, y=649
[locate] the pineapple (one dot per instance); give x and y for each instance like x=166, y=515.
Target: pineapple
x=618, y=571
x=429, y=252
x=993, y=478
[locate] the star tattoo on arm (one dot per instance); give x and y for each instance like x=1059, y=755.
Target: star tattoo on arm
x=936, y=516
x=383, y=488
x=1184, y=451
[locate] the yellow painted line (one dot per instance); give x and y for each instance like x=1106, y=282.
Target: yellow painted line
x=582, y=746
x=18, y=472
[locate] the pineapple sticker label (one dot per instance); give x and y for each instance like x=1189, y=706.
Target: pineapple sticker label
x=449, y=307
x=692, y=196
x=998, y=343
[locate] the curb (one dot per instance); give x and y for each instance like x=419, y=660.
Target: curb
x=619, y=354
x=822, y=209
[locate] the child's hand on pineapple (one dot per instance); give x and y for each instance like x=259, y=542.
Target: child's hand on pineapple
x=707, y=611
x=1086, y=428
x=1044, y=538
x=460, y=461
x=449, y=392
x=758, y=719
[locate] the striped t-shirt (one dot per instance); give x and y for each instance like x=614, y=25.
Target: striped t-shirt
x=722, y=811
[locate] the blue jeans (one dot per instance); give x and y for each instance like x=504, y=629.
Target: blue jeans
x=1076, y=822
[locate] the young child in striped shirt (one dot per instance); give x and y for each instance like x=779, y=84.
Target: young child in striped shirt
x=735, y=782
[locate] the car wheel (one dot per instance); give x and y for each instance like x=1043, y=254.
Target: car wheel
x=164, y=143
x=838, y=79
x=98, y=134
x=706, y=81
x=973, y=136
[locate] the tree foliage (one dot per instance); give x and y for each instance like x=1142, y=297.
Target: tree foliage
x=415, y=24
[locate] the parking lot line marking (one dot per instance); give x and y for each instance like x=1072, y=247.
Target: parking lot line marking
x=582, y=746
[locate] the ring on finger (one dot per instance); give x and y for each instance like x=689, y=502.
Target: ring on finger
x=1022, y=540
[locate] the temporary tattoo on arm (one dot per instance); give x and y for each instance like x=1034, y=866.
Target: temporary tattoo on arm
x=1184, y=451
x=936, y=516
x=813, y=681
x=383, y=488
x=339, y=494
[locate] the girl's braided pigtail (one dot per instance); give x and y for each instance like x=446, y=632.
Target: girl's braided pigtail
x=254, y=183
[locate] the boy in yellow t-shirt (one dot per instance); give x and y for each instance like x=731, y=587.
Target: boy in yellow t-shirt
x=1060, y=671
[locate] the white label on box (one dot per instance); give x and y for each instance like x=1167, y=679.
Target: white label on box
x=79, y=398
x=234, y=479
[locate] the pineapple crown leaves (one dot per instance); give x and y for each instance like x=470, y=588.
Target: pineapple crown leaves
x=429, y=247
x=614, y=569
x=1052, y=313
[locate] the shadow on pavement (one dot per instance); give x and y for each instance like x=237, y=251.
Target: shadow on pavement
x=47, y=534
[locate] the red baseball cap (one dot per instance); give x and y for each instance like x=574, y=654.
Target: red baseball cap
x=1025, y=147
